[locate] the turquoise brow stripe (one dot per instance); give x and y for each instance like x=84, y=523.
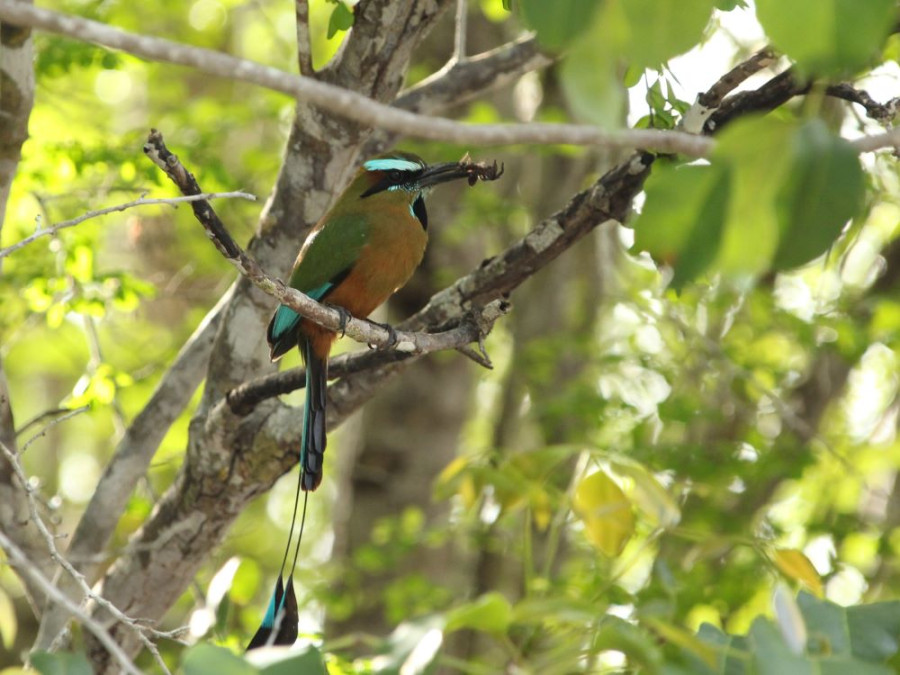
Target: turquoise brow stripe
x=391, y=164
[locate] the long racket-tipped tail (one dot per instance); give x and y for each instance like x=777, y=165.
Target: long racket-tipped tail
x=312, y=449
x=281, y=622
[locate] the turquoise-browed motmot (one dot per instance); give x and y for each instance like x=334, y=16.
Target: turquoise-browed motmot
x=365, y=248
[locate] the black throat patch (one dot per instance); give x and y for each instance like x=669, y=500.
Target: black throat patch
x=418, y=209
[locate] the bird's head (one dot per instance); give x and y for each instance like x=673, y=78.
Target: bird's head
x=402, y=178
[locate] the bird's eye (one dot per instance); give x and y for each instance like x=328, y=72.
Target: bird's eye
x=395, y=175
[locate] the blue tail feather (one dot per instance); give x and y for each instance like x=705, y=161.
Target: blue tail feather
x=280, y=624
x=312, y=444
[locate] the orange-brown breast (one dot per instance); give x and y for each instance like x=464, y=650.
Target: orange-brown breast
x=395, y=248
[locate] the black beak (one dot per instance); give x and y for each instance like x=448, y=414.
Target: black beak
x=442, y=173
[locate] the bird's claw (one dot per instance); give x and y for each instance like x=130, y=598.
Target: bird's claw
x=345, y=317
x=392, y=335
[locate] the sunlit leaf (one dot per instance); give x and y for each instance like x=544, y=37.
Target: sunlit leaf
x=649, y=495
x=606, y=513
x=490, y=613
x=661, y=29
x=341, y=19
x=589, y=72
x=795, y=565
x=828, y=36
x=557, y=23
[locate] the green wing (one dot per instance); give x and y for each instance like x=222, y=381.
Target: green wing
x=330, y=255
x=326, y=262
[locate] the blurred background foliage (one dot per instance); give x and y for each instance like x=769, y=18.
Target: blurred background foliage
x=668, y=448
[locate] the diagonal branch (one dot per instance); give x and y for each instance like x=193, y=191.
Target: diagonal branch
x=472, y=328
x=461, y=81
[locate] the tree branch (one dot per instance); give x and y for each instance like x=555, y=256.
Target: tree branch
x=472, y=328
x=785, y=86
x=459, y=33
x=142, y=201
x=17, y=76
x=369, y=112
x=304, y=48
x=460, y=81
x=347, y=103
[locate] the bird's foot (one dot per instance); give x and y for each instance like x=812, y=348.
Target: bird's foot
x=392, y=335
x=345, y=316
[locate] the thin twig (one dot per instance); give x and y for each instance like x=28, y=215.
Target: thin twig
x=883, y=113
x=714, y=96
x=142, y=201
x=70, y=413
x=38, y=419
x=27, y=568
x=86, y=590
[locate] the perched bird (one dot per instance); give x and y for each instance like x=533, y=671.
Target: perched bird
x=365, y=248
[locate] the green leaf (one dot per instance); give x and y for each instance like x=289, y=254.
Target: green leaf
x=648, y=495
x=771, y=655
x=606, y=513
x=874, y=630
x=288, y=661
x=589, y=72
x=753, y=150
x=61, y=663
x=557, y=23
x=661, y=29
x=828, y=36
x=868, y=632
x=683, y=218
x=203, y=659
x=342, y=19
x=490, y=613
x=824, y=189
